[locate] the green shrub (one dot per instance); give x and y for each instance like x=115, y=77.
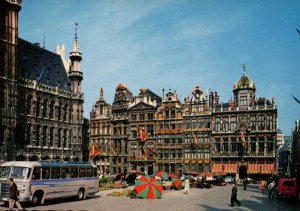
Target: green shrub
x=103, y=180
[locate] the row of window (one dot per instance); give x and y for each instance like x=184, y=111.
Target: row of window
x=233, y=147
x=44, y=136
x=46, y=109
x=64, y=172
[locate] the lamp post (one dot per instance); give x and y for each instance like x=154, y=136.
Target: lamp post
x=260, y=172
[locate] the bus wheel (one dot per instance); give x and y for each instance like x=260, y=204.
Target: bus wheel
x=80, y=194
x=36, y=199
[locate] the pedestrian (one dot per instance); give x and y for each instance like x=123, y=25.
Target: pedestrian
x=245, y=183
x=262, y=185
x=13, y=194
x=271, y=188
x=186, y=186
x=234, y=195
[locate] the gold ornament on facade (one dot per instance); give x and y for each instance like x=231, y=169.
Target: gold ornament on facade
x=244, y=82
x=121, y=86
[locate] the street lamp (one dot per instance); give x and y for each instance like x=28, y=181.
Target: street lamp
x=260, y=172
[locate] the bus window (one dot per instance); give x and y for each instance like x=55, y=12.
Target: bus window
x=46, y=173
x=55, y=173
x=20, y=172
x=94, y=170
x=4, y=172
x=81, y=172
x=89, y=172
x=65, y=172
x=74, y=172
x=36, y=173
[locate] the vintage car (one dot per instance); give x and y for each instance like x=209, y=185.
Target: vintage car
x=287, y=187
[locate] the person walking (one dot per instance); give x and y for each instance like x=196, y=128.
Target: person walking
x=234, y=195
x=271, y=188
x=13, y=194
x=186, y=186
x=245, y=183
x=262, y=186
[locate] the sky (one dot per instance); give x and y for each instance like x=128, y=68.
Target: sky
x=177, y=45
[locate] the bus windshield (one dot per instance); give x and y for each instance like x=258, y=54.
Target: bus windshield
x=14, y=172
x=4, y=172
x=20, y=172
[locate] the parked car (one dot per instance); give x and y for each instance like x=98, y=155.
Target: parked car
x=229, y=179
x=250, y=180
x=287, y=187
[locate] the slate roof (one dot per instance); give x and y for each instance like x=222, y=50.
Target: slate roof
x=46, y=67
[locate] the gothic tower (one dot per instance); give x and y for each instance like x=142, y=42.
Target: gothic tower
x=9, y=10
x=76, y=76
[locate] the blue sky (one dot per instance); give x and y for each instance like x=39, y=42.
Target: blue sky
x=176, y=44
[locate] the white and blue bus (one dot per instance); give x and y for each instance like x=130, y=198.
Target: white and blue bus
x=38, y=181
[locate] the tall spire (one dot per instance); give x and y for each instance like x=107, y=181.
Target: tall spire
x=76, y=49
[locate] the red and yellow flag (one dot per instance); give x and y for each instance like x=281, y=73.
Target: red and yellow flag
x=94, y=151
x=142, y=135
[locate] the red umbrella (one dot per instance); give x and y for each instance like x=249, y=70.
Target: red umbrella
x=162, y=174
x=218, y=174
x=134, y=172
x=173, y=176
x=191, y=172
x=148, y=187
x=205, y=174
x=176, y=183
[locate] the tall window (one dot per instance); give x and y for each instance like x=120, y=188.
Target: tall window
x=44, y=110
x=243, y=100
x=225, y=124
x=28, y=134
x=37, y=110
x=261, y=144
x=218, y=124
x=269, y=123
x=142, y=117
x=29, y=104
x=232, y=123
x=225, y=144
x=253, y=144
x=261, y=122
x=51, y=112
x=218, y=145
x=270, y=144
x=150, y=116
x=44, y=136
x=253, y=122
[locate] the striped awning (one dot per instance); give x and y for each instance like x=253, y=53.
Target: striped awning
x=225, y=167
x=266, y=168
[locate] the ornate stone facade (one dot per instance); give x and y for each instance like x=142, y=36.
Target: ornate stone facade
x=41, y=102
x=244, y=131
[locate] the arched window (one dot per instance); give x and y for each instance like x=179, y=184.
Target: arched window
x=51, y=112
x=44, y=143
x=38, y=135
x=51, y=137
x=37, y=111
x=59, y=110
x=44, y=110
x=65, y=138
x=28, y=134
x=28, y=104
x=65, y=112
x=59, y=138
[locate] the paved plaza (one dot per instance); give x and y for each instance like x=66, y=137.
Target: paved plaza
x=216, y=198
